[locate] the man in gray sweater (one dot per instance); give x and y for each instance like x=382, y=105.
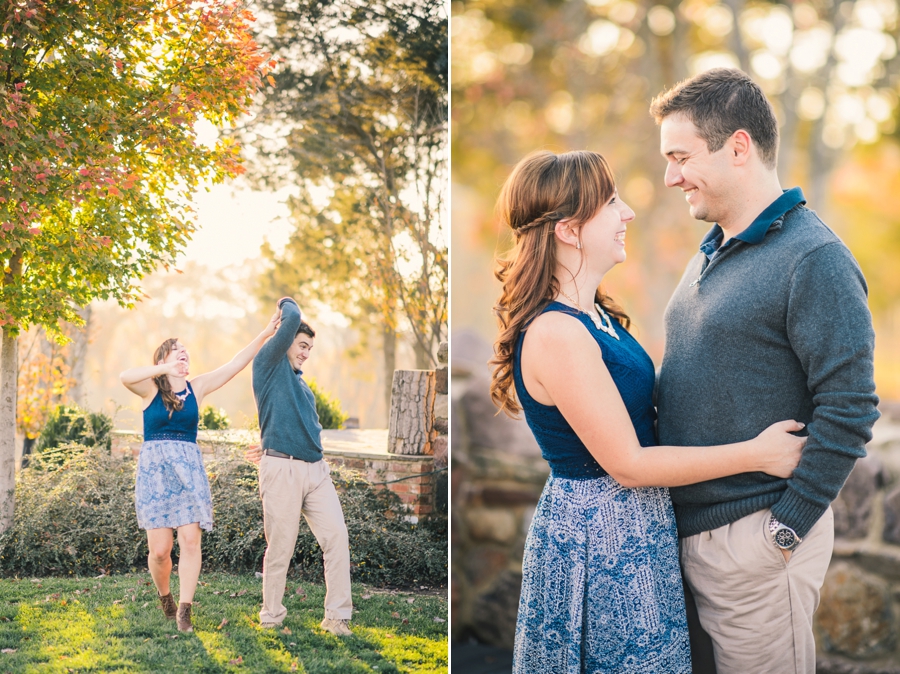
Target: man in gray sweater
x=770, y=321
x=294, y=479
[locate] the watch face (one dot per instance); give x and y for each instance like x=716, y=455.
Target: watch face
x=785, y=538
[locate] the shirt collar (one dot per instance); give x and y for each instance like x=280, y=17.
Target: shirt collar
x=756, y=232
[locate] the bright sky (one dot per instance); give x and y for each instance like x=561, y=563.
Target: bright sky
x=233, y=223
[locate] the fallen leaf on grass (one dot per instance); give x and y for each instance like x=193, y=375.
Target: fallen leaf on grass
x=145, y=604
x=239, y=660
x=117, y=601
x=293, y=666
x=8, y=650
x=366, y=596
x=438, y=620
x=258, y=574
x=241, y=593
x=410, y=600
x=388, y=636
x=286, y=630
x=395, y=615
x=217, y=592
x=406, y=621
x=223, y=623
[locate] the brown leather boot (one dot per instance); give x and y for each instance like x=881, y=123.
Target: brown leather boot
x=184, y=618
x=168, y=605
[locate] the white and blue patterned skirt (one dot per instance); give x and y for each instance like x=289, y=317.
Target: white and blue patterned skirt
x=601, y=585
x=171, y=488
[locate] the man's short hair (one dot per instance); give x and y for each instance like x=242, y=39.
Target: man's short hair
x=305, y=329
x=719, y=102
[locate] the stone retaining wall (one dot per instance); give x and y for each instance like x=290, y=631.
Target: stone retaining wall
x=497, y=478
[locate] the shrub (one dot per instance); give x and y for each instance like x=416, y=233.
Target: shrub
x=78, y=518
x=212, y=419
x=328, y=408
x=69, y=517
x=70, y=425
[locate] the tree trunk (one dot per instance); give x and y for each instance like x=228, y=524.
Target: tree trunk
x=389, y=352
x=411, y=427
x=8, y=381
x=77, y=356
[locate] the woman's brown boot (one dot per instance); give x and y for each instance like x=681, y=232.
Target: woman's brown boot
x=184, y=618
x=168, y=605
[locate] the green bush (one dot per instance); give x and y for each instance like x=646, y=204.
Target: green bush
x=212, y=419
x=78, y=519
x=70, y=425
x=328, y=408
x=72, y=519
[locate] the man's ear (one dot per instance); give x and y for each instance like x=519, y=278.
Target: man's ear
x=741, y=147
x=566, y=232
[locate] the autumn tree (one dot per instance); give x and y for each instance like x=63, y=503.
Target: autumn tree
x=360, y=108
x=99, y=155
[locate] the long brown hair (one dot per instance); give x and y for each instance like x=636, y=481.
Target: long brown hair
x=171, y=402
x=542, y=189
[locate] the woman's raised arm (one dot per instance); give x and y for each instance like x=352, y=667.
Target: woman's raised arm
x=205, y=384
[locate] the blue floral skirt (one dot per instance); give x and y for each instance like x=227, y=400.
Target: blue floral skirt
x=601, y=584
x=171, y=488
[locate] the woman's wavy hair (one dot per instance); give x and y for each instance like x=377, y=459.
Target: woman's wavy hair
x=542, y=189
x=171, y=402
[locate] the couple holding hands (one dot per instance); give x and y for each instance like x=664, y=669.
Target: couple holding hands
x=768, y=338
x=172, y=491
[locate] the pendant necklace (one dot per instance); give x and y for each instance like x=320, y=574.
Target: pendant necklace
x=183, y=395
x=601, y=319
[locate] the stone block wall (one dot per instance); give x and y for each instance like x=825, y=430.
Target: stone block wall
x=858, y=621
x=497, y=477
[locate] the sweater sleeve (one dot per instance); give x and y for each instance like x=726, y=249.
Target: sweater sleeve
x=830, y=330
x=274, y=350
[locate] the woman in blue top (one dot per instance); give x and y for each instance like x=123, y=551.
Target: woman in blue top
x=171, y=489
x=601, y=586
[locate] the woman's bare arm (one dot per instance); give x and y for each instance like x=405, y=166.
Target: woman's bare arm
x=563, y=366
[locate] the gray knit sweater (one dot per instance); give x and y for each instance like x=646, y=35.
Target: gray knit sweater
x=775, y=329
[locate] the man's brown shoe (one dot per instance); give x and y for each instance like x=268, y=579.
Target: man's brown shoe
x=184, y=618
x=168, y=605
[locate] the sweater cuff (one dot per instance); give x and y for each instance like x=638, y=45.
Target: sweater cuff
x=286, y=299
x=796, y=512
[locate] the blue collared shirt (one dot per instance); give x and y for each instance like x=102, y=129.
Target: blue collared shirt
x=756, y=232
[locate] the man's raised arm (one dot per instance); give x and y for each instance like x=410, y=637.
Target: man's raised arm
x=275, y=349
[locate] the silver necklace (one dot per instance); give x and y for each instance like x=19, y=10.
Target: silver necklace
x=601, y=319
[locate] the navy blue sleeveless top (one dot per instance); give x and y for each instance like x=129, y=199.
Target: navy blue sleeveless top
x=633, y=373
x=181, y=426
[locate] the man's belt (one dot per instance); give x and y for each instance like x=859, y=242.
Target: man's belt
x=280, y=455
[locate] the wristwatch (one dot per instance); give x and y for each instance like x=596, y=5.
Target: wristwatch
x=782, y=535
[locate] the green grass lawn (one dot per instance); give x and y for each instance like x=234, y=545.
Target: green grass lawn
x=114, y=624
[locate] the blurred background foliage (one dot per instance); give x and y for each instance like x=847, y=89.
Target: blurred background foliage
x=576, y=74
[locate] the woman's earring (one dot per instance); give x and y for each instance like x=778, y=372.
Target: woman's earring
x=578, y=245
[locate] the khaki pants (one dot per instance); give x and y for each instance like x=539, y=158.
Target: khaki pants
x=756, y=608
x=290, y=489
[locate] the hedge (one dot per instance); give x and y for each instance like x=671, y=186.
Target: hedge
x=78, y=519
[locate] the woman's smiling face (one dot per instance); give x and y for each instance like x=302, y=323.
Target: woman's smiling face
x=603, y=236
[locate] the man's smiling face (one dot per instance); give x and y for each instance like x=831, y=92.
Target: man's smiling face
x=702, y=175
x=298, y=352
